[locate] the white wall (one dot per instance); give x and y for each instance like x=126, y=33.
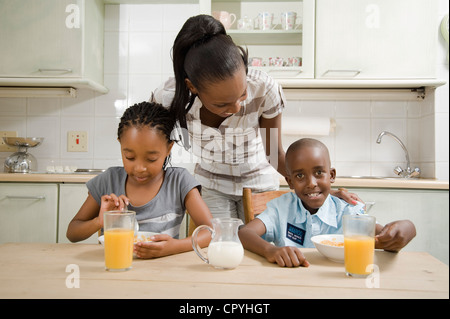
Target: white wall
x=138, y=39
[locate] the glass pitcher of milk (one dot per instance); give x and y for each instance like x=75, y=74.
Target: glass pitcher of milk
x=225, y=250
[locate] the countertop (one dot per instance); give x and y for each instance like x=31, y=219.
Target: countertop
x=36, y=270
x=340, y=182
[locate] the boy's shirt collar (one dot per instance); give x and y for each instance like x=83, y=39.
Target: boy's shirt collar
x=322, y=213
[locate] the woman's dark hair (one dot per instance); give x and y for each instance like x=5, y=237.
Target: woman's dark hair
x=149, y=114
x=203, y=53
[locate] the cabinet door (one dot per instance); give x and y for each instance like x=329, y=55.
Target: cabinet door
x=40, y=39
x=71, y=198
x=372, y=39
x=28, y=212
x=427, y=209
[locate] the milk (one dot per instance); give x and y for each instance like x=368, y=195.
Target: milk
x=225, y=254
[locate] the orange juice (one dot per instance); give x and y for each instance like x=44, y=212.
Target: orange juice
x=358, y=254
x=118, y=248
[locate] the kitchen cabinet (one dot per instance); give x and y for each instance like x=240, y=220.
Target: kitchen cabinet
x=71, y=197
x=52, y=41
x=277, y=49
x=376, y=39
x=427, y=209
x=28, y=212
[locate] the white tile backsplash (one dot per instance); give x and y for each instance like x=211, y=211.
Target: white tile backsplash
x=137, y=58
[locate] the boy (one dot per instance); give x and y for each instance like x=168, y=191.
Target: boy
x=292, y=219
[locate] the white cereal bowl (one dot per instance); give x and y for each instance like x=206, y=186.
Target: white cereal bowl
x=333, y=253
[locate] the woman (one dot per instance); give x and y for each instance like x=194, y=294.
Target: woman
x=229, y=117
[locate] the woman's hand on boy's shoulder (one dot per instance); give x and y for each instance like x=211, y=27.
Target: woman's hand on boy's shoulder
x=286, y=256
x=395, y=235
x=347, y=196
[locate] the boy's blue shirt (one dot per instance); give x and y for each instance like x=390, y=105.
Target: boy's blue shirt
x=289, y=223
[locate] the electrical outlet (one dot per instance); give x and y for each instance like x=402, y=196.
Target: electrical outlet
x=3, y=146
x=77, y=141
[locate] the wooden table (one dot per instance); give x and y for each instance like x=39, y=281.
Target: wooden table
x=47, y=271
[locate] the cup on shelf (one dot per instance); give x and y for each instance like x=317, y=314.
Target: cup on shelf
x=245, y=23
x=288, y=20
x=255, y=61
x=264, y=21
x=276, y=61
x=294, y=61
x=225, y=17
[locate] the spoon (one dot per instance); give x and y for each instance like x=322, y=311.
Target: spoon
x=136, y=228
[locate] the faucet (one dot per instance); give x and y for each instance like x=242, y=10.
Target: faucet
x=408, y=173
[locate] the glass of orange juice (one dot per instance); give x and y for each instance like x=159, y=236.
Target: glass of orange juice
x=359, y=244
x=118, y=228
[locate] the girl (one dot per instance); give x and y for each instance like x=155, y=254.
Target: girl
x=160, y=195
x=230, y=116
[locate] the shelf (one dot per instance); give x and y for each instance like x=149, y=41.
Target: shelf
x=360, y=84
x=284, y=72
x=77, y=83
x=261, y=37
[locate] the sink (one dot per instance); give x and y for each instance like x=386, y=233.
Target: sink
x=92, y=171
x=375, y=177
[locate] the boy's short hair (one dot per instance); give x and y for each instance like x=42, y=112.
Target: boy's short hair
x=306, y=142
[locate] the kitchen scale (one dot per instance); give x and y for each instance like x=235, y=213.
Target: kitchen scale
x=21, y=161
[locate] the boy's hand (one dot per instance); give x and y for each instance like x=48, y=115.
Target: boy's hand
x=286, y=256
x=396, y=235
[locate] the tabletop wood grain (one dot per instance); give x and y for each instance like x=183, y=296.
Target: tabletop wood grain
x=32, y=270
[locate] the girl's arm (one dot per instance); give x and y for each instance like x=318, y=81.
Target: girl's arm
x=164, y=245
x=86, y=222
x=273, y=142
x=89, y=218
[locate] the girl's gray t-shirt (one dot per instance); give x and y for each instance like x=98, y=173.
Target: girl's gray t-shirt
x=165, y=212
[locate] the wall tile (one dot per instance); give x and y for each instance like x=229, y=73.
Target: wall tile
x=13, y=106
x=43, y=106
x=116, y=17
x=352, y=109
x=116, y=53
x=105, y=138
x=145, y=54
x=389, y=109
x=142, y=86
x=82, y=105
x=176, y=14
x=48, y=128
x=14, y=123
x=352, y=140
x=146, y=17
x=115, y=101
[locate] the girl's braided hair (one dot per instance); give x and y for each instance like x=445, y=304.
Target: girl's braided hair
x=149, y=114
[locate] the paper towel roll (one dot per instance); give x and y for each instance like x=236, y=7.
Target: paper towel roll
x=315, y=126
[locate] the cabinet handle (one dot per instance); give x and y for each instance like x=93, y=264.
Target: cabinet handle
x=37, y=197
x=56, y=70
x=352, y=73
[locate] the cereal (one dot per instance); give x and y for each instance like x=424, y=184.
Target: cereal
x=141, y=238
x=332, y=243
